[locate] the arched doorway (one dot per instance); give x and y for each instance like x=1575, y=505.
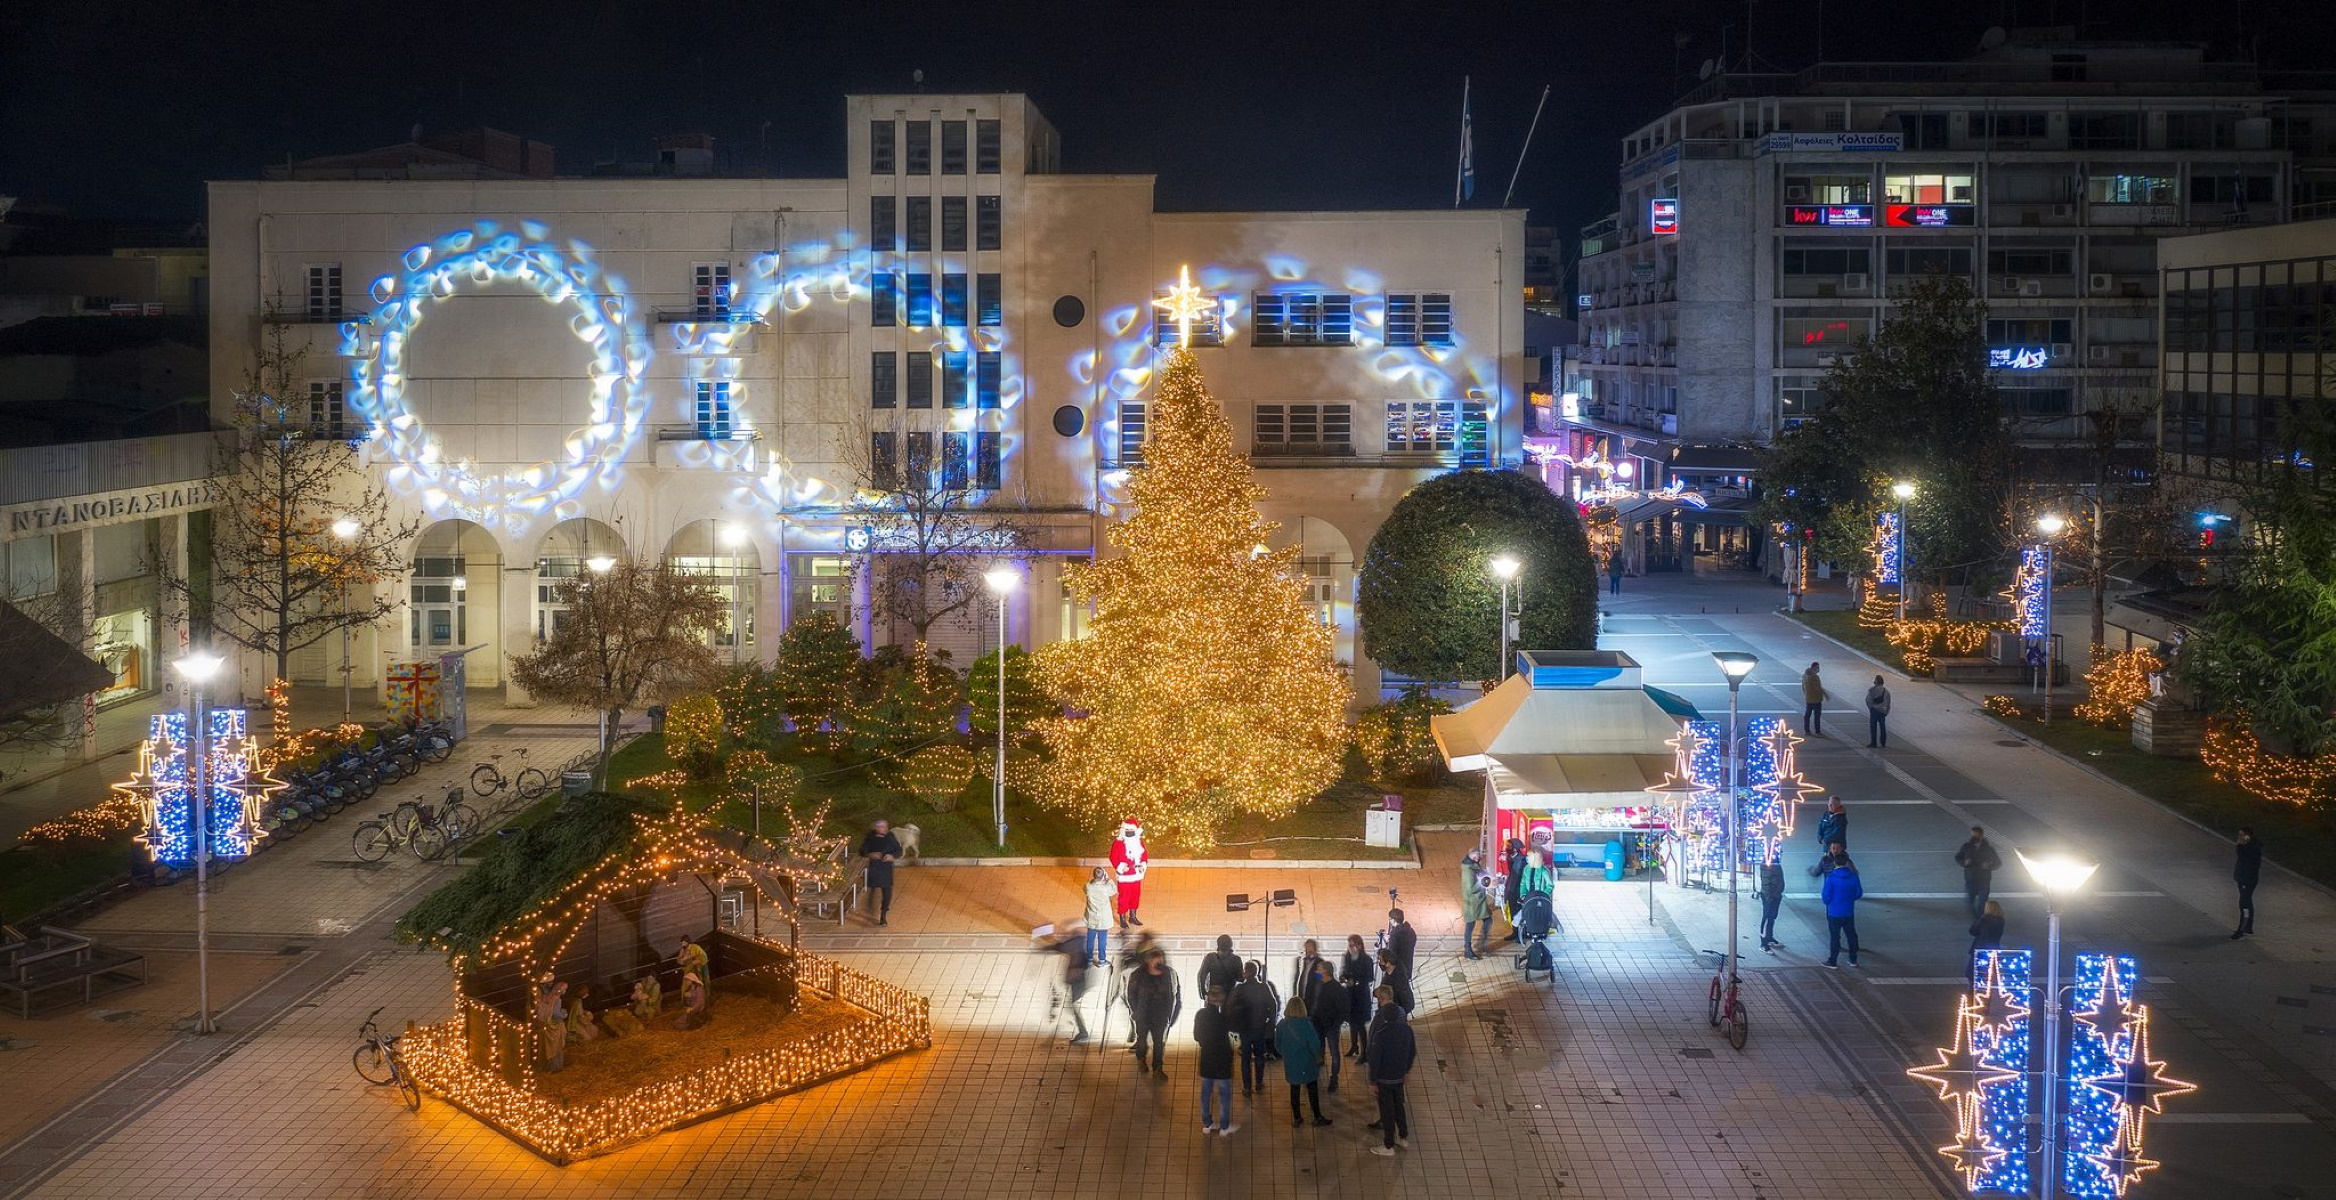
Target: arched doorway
x=1326, y=565
x=572, y=547
x=724, y=553
x=454, y=597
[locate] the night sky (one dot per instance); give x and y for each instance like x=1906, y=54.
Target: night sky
x=122, y=109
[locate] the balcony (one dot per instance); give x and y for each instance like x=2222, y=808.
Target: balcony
x=706, y=316
x=692, y=432
x=305, y=316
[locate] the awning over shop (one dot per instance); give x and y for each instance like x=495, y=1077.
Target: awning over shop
x=1576, y=780
x=43, y=669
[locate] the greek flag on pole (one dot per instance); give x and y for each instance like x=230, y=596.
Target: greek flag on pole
x=1467, y=147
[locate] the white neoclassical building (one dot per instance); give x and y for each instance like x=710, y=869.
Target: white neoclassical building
x=547, y=369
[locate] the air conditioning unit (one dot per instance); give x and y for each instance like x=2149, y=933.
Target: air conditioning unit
x=2061, y=351
x=1827, y=360
x=2008, y=285
x=2101, y=285
x=2031, y=287
x=1854, y=283
x=2100, y=354
x=2062, y=212
x=1800, y=193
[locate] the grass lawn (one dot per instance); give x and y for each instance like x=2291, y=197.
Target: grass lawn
x=1331, y=826
x=35, y=877
x=2295, y=838
x=1842, y=626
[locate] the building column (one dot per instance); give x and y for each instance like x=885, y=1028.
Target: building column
x=770, y=589
x=174, y=633
x=77, y=589
x=518, y=605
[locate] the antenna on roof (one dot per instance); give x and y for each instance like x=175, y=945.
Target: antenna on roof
x=1704, y=72
x=917, y=77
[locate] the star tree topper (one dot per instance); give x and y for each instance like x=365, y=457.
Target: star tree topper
x=1184, y=304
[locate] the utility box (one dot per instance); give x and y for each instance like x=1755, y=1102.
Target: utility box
x=1382, y=827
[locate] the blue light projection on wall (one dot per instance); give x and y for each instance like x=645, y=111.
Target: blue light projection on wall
x=163, y=792
x=1889, y=544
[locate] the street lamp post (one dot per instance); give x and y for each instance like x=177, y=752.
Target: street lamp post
x=198, y=669
x=2059, y=876
x=1904, y=490
x=1735, y=664
x=1001, y=580
x=346, y=529
x=1504, y=568
x=2050, y=525
x=733, y=538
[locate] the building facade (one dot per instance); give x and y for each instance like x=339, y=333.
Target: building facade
x=1766, y=219
x=710, y=370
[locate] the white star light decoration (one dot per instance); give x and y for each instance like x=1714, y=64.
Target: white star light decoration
x=1184, y=304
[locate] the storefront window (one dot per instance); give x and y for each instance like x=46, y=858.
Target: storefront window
x=820, y=583
x=441, y=592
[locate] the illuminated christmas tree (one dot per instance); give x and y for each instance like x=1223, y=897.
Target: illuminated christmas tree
x=1207, y=688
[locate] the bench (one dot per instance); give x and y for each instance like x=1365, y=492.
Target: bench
x=842, y=897
x=56, y=960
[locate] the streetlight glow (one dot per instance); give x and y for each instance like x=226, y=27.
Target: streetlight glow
x=2059, y=874
x=2050, y=524
x=1001, y=579
x=199, y=667
x=600, y=563
x=1735, y=664
x=1903, y=489
x=732, y=535
x=1505, y=568
x=347, y=528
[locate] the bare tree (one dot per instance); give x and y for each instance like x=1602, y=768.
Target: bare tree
x=281, y=577
x=932, y=529
x=635, y=631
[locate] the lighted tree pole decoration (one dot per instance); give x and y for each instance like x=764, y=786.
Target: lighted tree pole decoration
x=1207, y=687
x=630, y=631
x=280, y=579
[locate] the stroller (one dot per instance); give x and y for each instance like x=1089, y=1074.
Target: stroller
x=1536, y=918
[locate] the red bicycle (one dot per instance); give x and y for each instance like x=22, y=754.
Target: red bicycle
x=1727, y=1009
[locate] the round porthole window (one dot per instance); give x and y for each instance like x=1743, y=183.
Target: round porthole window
x=1068, y=420
x=1069, y=311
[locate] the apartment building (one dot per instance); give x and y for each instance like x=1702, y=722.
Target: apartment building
x=670, y=362
x=1764, y=221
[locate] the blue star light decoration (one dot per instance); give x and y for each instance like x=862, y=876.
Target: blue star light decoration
x=1990, y=1055
x=165, y=793
x=2028, y=591
x=1889, y=545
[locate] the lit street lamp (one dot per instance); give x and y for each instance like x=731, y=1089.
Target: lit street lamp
x=1904, y=490
x=600, y=563
x=1735, y=664
x=199, y=668
x=2050, y=525
x=346, y=529
x=1505, y=568
x=2060, y=876
x=1001, y=580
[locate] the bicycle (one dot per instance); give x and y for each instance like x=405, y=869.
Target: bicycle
x=1728, y=1014
x=378, y=1063
x=457, y=818
x=375, y=839
x=529, y=784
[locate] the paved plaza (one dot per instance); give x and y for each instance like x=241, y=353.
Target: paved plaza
x=1606, y=1082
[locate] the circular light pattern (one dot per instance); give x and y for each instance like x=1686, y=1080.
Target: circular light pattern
x=604, y=316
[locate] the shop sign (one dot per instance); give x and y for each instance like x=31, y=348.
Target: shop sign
x=1843, y=143
x=1663, y=216
x=109, y=508
x=1931, y=216
x=1856, y=216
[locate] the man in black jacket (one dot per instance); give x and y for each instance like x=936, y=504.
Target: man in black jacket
x=1325, y=1000
x=1214, y=1033
x=2246, y=872
x=1153, y=1001
x=1403, y=940
x=881, y=849
x=1393, y=1049
x=1253, y=1010
x=1979, y=862
x=1220, y=969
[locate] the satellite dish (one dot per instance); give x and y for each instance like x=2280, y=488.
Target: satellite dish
x=1992, y=38
x=1704, y=72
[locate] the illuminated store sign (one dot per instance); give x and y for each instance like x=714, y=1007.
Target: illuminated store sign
x=1845, y=142
x=1663, y=216
x=2019, y=358
x=1857, y=216
x=1931, y=216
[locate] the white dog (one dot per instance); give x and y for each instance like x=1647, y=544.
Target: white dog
x=907, y=834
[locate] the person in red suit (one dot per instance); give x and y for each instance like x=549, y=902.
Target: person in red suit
x=1128, y=862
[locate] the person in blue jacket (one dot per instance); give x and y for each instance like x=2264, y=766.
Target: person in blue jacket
x=1840, y=894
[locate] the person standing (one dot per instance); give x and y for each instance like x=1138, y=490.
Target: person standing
x=1325, y=1000
x=2246, y=872
x=1076, y=961
x=1980, y=862
x=881, y=849
x=1833, y=827
x=1475, y=905
x=1540, y=877
x=1878, y=715
x=1812, y=703
x=1512, y=880
x=1302, y=970
x=1841, y=893
x=1301, y=1051
x=1252, y=1009
x=1153, y=1000
x=1403, y=940
x=1987, y=928
x=1220, y=969
x=1771, y=902
x=1393, y=1050
x=1100, y=894
x=1214, y=1033
x=1357, y=972
x=1393, y=979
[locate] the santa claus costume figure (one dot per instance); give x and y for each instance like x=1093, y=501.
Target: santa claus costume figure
x=1128, y=861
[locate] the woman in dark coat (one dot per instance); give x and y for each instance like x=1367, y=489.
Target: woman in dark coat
x=1391, y=976
x=1357, y=972
x=1987, y=931
x=1513, y=875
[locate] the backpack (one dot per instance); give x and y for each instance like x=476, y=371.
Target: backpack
x=1538, y=958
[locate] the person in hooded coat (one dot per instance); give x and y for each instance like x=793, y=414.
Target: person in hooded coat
x=1301, y=1048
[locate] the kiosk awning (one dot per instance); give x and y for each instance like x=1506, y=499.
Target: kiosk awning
x=1537, y=781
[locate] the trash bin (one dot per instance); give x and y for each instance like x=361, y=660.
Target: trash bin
x=575, y=783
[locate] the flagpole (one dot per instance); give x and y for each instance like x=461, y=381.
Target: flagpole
x=1460, y=169
x=1505, y=196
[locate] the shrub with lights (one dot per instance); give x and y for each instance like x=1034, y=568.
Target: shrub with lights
x=2118, y=684
x=693, y=733
x=2236, y=755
